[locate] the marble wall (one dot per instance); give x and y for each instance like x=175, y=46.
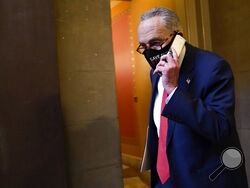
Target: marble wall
x=229, y=28
x=88, y=93
x=31, y=130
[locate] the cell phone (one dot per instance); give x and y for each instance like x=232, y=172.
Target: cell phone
x=178, y=44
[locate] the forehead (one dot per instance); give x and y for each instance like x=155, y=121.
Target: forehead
x=152, y=28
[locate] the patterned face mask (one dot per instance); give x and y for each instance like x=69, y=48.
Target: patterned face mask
x=153, y=56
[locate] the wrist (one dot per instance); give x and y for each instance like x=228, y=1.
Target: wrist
x=170, y=89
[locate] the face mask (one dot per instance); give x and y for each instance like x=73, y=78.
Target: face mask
x=153, y=56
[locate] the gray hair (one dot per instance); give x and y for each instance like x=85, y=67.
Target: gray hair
x=170, y=18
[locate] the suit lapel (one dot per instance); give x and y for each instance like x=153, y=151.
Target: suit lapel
x=186, y=71
x=154, y=81
x=184, y=81
x=152, y=141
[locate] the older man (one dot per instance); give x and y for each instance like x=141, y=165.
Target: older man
x=191, y=120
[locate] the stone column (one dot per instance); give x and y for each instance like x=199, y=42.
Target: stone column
x=88, y=93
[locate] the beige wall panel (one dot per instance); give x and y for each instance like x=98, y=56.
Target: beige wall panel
x=87, y=83
x=229, y=28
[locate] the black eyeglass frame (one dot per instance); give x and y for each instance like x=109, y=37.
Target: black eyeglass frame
x=140, y=49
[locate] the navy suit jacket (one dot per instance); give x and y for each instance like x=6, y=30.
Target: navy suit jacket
x=201, y=124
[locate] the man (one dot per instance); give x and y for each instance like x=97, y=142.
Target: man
x=191, y=120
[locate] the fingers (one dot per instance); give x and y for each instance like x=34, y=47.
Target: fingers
x=164, y=58
x=175, y=56
x=172, y=58
x=158, y=69
x=162, y=63
x=169, y=60
x=160, y=66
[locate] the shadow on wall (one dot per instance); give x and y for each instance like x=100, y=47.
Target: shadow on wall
x=31, y=143
x=82, y=144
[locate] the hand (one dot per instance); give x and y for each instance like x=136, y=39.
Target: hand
x=169, y=68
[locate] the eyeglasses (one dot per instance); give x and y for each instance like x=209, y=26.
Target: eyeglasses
x=156, y=45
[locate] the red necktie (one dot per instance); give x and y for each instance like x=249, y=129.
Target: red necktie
x=162, y=159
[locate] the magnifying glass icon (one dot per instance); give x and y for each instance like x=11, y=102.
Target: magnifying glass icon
x=231, y=159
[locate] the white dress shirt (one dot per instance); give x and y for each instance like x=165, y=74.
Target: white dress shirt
x=159, y=95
